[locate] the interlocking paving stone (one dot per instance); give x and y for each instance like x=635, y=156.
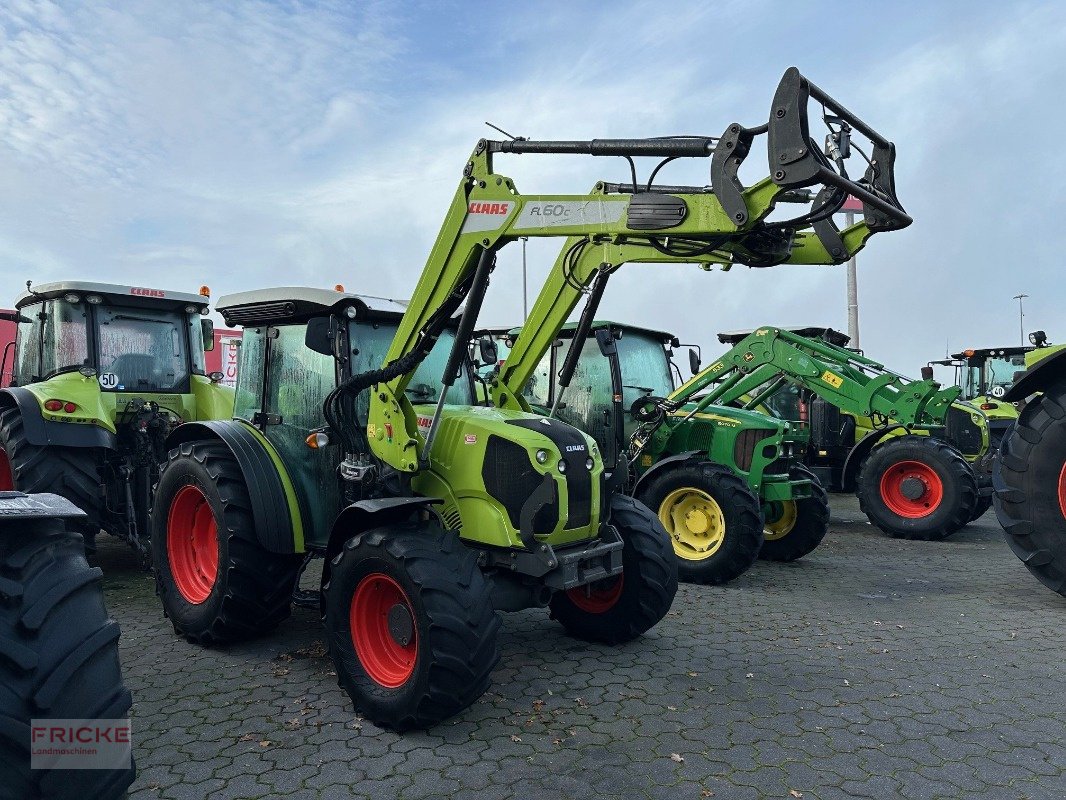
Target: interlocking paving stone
x=878, y=668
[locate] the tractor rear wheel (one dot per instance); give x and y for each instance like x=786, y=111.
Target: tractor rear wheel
x=713, y=519
x=410, y=623
x=796, y=527
x=623, y=607
x=67, y=471
x=917, y=487
x=983, y=504
x=216, y=582
x=1030, y=487
x=58, y=658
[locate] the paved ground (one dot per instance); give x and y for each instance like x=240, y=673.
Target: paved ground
x=873, y=668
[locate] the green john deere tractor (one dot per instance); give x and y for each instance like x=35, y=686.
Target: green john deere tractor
x=432, y=515
x=101, y=375
x=903, y=446
x=728, y=485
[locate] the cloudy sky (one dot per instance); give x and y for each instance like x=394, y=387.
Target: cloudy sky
x=248, y=144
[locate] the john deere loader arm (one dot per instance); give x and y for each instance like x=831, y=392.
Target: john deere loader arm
x=768, y=358
x=726, y=223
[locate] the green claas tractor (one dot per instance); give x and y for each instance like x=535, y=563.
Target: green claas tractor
x=101, y=375
x=902, y=446
x=355, y=439
x=1029, y=476
x=728, y=485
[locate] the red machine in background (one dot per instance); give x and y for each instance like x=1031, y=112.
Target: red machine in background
x=222, y=359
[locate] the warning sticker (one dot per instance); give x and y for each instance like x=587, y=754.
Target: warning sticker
x=833, y=380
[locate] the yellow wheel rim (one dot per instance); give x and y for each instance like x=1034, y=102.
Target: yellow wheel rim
x=695, y=523
x=781, y=520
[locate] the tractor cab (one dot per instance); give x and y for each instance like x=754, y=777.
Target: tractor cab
x=986, y=374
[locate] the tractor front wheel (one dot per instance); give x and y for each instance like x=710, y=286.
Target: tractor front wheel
x=59, y=658
x=623, y=607
x=713, y=519
x=917, y=487
x=67, y=471
x=411, y=626
x=216, y=581
x=1030, y=487
x=793, y=528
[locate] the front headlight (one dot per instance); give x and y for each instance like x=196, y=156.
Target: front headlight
x=542, y=456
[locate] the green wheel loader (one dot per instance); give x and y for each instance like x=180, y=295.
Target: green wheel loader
x=1029, y=475
x=102, y=373
x=728, y=485
x=904, y=447
x=432, y=513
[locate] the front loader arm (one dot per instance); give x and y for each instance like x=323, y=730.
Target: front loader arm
x=855, y=384
x=723, y=225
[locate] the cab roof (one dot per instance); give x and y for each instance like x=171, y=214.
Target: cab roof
x=830, y=335
x=114, y=294
x=570, y=327
x=294, y=304
x=1017, y=350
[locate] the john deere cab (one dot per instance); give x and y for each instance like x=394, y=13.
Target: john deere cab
x=907, y=448
x=101, y=375
x=728, y=485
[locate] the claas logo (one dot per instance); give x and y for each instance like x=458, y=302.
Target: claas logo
x=489, y=208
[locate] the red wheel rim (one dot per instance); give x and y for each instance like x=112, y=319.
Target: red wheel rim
x=7, y=481
x=388, y=660
x=596, y=599
x=912, y=489
x=1062, y=490
x=192, y=544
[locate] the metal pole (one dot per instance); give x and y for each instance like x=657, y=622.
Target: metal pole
x=853, y=293
x=525, y=293
x=1021, y=317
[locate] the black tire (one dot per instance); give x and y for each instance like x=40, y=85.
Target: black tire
x=809, y=527
x=622, y=608
x=735, y=512
x=251, y=591
x=58, y=658
x=983, y=504
x=1029, y=478
x=927, y=517
x=449, y=647
x=70, y=472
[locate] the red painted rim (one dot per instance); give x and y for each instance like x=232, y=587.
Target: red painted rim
x=7, y=481
x=597, y=599
x=192, y=544
x=387, y=661
x=1062, y=490
x=932, y=489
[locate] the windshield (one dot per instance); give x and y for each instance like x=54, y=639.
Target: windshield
x=645, y=367
x=993, y=377
x=142, y=351
x=54, y=338
x=370, y=342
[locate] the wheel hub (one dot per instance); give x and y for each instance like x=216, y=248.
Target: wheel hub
x=695, y=522
x=912, y=488
x=401, y=624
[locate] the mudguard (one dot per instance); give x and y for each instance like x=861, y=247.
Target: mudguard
x=1038, y=377
x=278, y=524
x=42, y=432
x=658, y=465
x=850, y=473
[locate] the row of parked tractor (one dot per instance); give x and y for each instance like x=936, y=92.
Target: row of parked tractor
x=444, y=473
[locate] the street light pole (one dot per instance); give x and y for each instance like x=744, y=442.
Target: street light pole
x=853, y=293
x=1021, y=317
x=525, y=295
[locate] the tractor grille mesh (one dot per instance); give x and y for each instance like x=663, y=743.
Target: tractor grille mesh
x=963, y=432
x=744, y=448
x=509, y=476
x=571, y=444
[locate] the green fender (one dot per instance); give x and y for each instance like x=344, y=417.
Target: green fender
x=850, y=473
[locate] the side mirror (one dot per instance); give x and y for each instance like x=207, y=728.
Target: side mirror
x=318, y=336
x=488, y=351
x=606, y=342
x=927, y=373
x=207, y=328
x=693, y=361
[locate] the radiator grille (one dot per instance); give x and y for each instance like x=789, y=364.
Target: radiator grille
x=747, y=441
x=509, y=477
x=962, y=431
